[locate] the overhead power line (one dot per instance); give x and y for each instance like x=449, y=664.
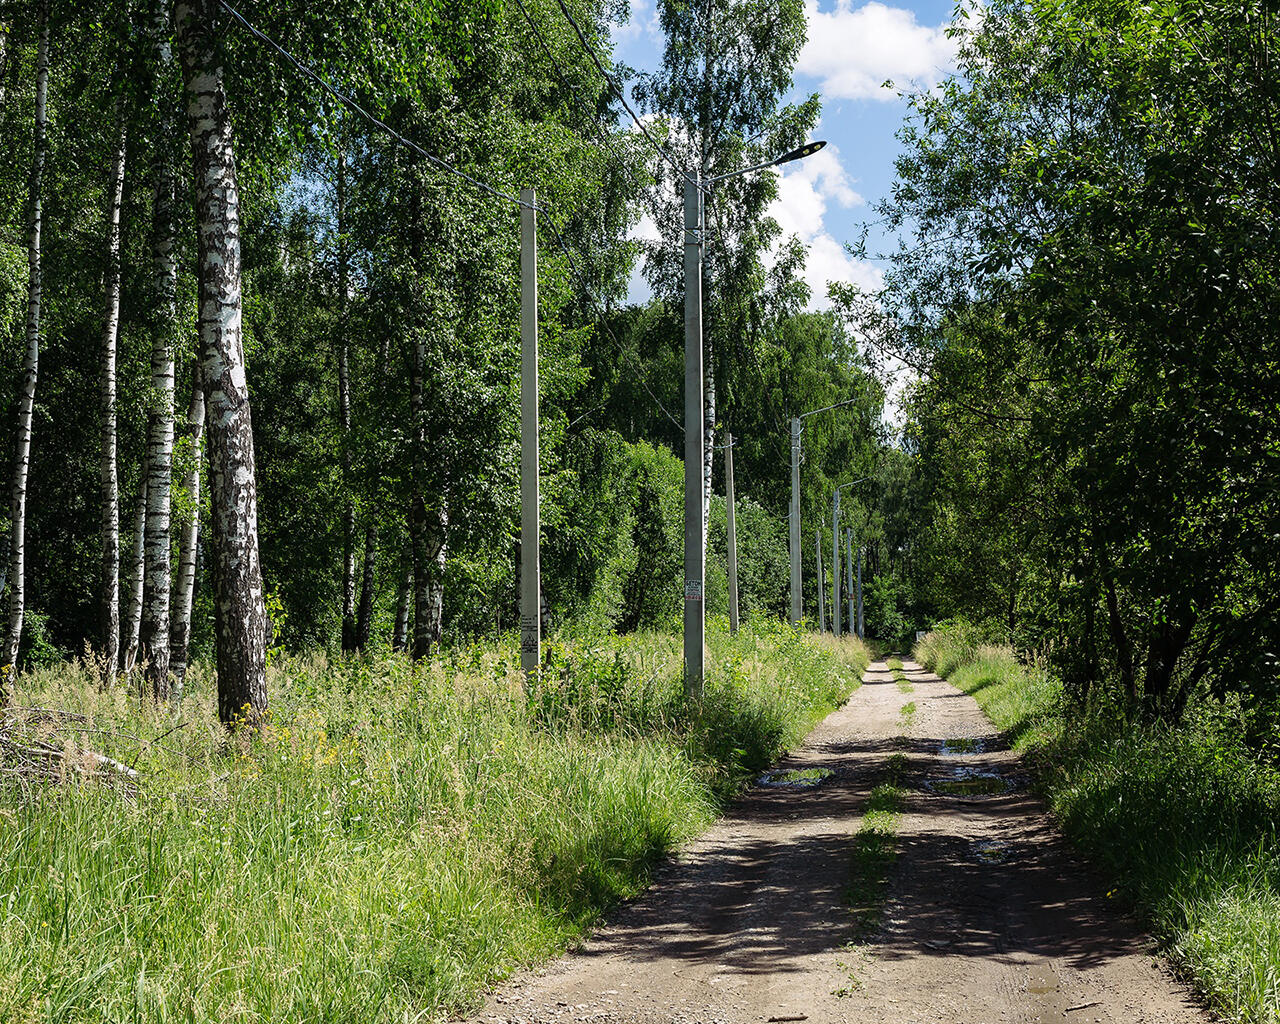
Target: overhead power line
x=352, y=105
x=600, y=315
x=617, y=91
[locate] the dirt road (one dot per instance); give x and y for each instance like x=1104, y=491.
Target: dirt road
x=989, y=919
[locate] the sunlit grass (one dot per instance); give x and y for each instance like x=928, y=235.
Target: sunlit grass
x=396, y=837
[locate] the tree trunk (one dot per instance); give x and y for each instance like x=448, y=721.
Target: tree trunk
x=189, y=540
x=108, y=474
x=4, y=60
x=133, y=617
x=344, y=422
x=30, y=365
x=708, y=446
x=430, y=551
x=157, y=580
x=364, y=619
x=237, y=573
x=400, y=635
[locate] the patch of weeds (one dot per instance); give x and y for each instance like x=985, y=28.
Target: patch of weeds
x=853, y=983
x=874, y=848
x=961, y=745
x=908, y=713
x=904, y=684
x=895, y=664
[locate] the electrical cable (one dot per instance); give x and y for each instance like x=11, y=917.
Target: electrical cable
x=564, y=83
x=586, y=46
x=600, y=315
x=352, y=105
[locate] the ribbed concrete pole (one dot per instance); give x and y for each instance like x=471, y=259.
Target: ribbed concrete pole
x=848, y=575
x=694, y=552
x=862, y=633
x=835, y=562
x=822, y=586
x=796, y=610
x=733, y=537
x=530, y=567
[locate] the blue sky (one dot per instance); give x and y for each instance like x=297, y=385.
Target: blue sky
x=852, y=48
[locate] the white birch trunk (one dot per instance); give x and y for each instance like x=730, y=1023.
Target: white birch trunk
x=132, y=625
x=109, y=596
x=189, y=539
x=344, y=423
x=708, y=446
x=164, y=275
x=30, y=365
x=237, y=573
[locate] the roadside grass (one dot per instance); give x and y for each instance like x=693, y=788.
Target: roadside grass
x=1184, y=820
x=396, y=838
x=875, y=848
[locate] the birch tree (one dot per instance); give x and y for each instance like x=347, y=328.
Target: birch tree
x=108, y=471
x=237, y=573
x=131, y=627
x=189, y=539
x=30, y=364
x=164, y=278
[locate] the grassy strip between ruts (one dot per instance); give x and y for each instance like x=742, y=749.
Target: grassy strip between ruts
x=396, y=838
x=1183, y=819
x=874, y=847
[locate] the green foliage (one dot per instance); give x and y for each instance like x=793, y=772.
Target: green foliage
x=1090, y=298
x=398, y=835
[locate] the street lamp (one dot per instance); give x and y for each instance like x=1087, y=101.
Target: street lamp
x=694, y=544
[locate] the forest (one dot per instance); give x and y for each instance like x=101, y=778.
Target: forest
x=260, y=410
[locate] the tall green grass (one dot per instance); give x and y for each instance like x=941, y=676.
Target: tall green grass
x=396, y=838
x=1184, y=820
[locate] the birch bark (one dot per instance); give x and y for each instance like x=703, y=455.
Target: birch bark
x=132, y=625
x=237, y=572
x=189, y=539
x=108, y=473
x=344, y=421
x=30, y=365
x=157, y=581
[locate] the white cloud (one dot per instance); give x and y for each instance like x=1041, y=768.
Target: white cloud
x=800, y=209
x=642, y=23
x=855, y=50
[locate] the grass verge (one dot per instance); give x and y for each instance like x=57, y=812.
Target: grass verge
x=396, y=838
x=1183, y=819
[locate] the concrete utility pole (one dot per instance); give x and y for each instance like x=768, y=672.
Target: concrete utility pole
x=835, y=562
x=794, y=519
x=862, y=633
x=822, y=586
x=693, y=415
x=848, y=582
x=530, y=567
x=733, y=538
x=694, y=552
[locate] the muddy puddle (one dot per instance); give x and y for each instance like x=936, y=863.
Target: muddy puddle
x=795, y=778
x=969, y=782
x=991, y=851
x=961, y=746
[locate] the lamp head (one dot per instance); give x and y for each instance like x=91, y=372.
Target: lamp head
x=808, y=149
